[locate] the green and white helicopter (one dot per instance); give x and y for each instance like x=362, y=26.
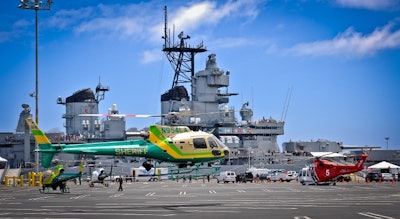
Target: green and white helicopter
x=58, y=179
x=172, y=144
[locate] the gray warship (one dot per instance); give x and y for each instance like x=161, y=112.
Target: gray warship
x=207, y=108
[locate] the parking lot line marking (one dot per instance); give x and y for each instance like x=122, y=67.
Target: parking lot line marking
x=150, y=194
x=373, y=215
x=80, y=196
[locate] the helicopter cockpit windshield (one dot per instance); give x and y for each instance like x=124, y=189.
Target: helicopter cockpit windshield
x=221, y=145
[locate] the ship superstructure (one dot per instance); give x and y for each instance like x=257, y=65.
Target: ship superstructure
x=91, y=128
x=207, y=106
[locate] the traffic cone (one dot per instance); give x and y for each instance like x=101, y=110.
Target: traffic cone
x=393, y=181
x=358, y=181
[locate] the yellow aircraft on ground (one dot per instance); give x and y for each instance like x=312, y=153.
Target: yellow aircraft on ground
x=57, y=178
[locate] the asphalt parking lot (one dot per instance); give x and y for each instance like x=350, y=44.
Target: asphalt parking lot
x=198, y=199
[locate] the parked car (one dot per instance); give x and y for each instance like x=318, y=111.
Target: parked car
x=387, y=176
x=226, y=176
x=292, y=175
x=373, y=176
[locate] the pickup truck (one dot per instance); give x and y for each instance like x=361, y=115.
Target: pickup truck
x=279, y=176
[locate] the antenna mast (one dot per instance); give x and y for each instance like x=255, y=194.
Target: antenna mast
x=286, y=105
x=180, y=55
x=100, y=91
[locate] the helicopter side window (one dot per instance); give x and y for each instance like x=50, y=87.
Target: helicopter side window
x=212, y=143
x=199, y=143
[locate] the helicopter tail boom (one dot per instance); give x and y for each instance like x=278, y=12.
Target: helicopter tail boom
x=45, y=147
x=361, y=161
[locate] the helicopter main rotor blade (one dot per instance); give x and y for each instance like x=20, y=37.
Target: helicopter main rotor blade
x=120, y=115
x=171, y=114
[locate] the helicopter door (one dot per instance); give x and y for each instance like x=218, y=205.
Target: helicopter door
x=312, y=173
x=199, y=143
x=184, y=146
x=306, y=176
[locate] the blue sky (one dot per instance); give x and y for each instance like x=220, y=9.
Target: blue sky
x=340, y=58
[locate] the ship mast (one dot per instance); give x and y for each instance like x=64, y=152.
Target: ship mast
x=180, y=55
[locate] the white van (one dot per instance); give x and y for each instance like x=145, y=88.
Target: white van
x=226, y=176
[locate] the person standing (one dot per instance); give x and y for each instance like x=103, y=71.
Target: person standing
x=120, y=183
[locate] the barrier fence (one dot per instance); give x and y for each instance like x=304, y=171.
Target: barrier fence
x=34, y=179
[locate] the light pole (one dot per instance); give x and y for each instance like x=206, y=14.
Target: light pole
x=387, y=142
x=36, y=5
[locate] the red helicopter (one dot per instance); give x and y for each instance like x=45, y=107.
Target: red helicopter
x=325, y=169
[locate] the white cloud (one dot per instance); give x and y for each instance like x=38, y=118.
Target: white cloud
x=370, y=4
x=207, y=13
x=189, y=17
x=122, y=27
x=66, y=18
x=105, y=20
x=18, y=29
x=351, y=43
x=145, y=21
x=150, y=56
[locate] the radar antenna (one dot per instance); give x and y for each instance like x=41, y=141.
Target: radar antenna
x=180, y=55
x=100, y=91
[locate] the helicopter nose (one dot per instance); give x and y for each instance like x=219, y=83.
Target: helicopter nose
x=226, y=152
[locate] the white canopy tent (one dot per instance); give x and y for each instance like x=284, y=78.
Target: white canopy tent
x=384, y=165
